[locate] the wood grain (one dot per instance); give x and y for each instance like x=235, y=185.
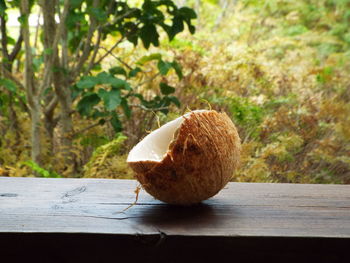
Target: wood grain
x=241, y=209
x=38, y=209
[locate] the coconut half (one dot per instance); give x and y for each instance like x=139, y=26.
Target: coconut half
x=189, y=159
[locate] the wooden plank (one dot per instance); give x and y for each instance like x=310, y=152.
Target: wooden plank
x=75, y=220
x=241, y=209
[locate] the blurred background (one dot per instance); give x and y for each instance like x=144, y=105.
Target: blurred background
x=76, y=96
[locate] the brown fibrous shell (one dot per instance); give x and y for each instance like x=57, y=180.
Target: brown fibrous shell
x=199, y=163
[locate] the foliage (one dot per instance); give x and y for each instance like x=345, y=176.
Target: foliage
x=40, y=170
x=105, y=160
x=103, y=93
x=280, y=71
x=278, y=68
x=112, y=89
x=63, y=73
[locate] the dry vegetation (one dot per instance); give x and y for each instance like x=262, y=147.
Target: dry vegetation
x=279, y=68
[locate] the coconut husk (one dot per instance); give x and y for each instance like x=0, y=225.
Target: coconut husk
x=200, y=161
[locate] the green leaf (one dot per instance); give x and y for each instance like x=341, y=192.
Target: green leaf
x=166, y=89
x=87, y=82
x=75, y=91
x=126, y=108
x=145, y=59
x=96, y=67
x=119, y=83
x=48, y=51
x=175, y=100
x=86, y=104
x=98, y=13
x=117, y=71
x=138, y=95
x=105, y=78
x=187, y=12
x=5, y=98
x=60, y=69
x=2, y=7
x=177, y=67
x=23, y=19
x=133, y=38
x=177, y=26
x=8, y=84
x=134, y=72
x=148, y=5
x=37, y=62
x=75, y=3
x=167, y=29
x=164, y=67
x=127, y=86
x=11, y=41
x=117, y=125
x=99, y=114
x=148, y=35
x=111, y=98
x=74, y=19
x=191, y=28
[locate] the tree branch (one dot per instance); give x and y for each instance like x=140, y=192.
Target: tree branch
x=4, y=37
x=148, y=80
x=28, y=72
x=94, y=54
x=10, y=57
x=37, y=30
x=118, y=18
x=86, y=50
x=119, y=59
x=51, y=105
x=64, y=52
x=109, y=51
x=17, y=48
x=48, y=68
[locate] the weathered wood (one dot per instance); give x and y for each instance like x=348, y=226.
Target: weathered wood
x=308, y=220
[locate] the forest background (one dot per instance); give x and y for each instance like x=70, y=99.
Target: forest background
x=75, y=96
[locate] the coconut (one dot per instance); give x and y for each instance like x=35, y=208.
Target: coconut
x=189, y=159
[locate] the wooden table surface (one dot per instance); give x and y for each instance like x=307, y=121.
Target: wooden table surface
x=257, y=212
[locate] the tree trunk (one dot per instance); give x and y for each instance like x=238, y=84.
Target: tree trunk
x=33, y=96
x=36, y=133
x=67, y=139
x=48, y=10
x=14, y=125
x=59, y=80
x=66, y=124
x=62, y=83
x=50, y=121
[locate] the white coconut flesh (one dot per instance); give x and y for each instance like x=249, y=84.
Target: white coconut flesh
x=155, y=146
